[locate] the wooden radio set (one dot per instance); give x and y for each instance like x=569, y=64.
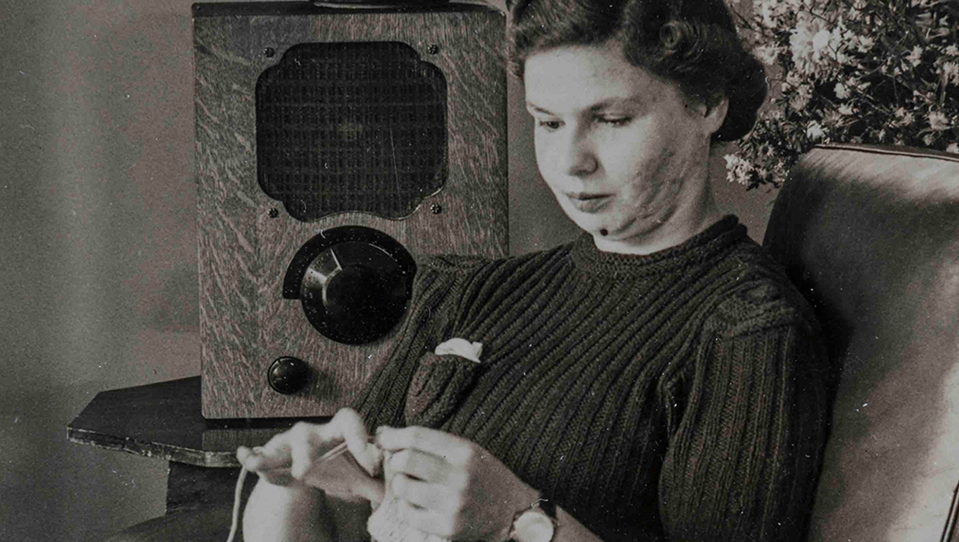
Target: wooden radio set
x=334, y=145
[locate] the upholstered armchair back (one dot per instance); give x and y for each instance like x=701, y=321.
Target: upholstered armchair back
x=871, y=237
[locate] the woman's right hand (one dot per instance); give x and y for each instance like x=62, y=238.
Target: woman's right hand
x=288, y=459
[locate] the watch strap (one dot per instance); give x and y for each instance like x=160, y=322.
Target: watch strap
x=547, y=506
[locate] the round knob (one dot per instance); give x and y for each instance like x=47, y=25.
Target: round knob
x=355, y=294
x=356, y=284
x=288, y=375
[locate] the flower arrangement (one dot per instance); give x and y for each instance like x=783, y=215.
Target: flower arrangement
x=849, y=71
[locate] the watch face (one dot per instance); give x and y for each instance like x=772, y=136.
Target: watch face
x=533, y=526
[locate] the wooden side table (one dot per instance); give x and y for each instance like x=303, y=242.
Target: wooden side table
x=164, y=421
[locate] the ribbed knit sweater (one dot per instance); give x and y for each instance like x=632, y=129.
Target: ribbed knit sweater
x=678, y=396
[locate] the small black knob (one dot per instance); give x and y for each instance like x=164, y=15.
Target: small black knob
x=288, y=375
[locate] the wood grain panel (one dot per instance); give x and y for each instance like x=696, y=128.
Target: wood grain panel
x=244, y=252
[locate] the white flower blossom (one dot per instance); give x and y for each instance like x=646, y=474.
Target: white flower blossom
x=953, y=147
x=793, y=80
x=799, y=101
x=808, y=41
x=832, y=119
x=737, y=169
x=938, y=121
x=842, y=91
x=800, y=43
x=952, y=50
x=814, y=131
x=950, y=73
x=767, y=54
x=838, y=41
x=771, y=11
x=820, y=41
x=906, y=119
x=915, y=57
x=846, y=109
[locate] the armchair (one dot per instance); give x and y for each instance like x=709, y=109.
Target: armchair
x=871, y=236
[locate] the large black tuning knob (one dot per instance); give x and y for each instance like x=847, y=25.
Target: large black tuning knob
x=354, y=283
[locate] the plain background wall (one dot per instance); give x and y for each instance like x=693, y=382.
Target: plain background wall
x=98, y=280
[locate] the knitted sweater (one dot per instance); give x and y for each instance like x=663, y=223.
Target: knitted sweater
x=677, y=396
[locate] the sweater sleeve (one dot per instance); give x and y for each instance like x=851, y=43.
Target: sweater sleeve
x=744, y=458
x=432, y=311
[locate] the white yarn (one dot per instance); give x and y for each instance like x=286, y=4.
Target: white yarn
x=237, y=496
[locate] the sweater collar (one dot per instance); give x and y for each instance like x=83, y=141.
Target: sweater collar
x=699, y=248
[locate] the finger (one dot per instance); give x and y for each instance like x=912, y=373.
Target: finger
x=418, y=493
x=371, y=489
x=348, y=425
x=253, y=461
x=305, y=445
x=243, y=453
x=277, y=448
x=454, y=450
x=419, y=465
x=259, y=459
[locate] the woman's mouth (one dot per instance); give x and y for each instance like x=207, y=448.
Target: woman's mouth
x=588, y=203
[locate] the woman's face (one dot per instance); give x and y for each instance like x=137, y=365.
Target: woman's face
x=624, y=152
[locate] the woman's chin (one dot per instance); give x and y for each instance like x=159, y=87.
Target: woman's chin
x=594, y=228
x=590, y=223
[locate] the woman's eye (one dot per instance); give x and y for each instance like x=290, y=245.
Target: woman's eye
x=613, y=121
x=549, y=125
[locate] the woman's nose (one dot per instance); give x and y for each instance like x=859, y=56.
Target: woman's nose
x=578, y=158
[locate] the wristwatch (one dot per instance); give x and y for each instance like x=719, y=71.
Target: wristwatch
x=535, y=524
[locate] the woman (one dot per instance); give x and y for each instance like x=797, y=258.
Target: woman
x=656, y=379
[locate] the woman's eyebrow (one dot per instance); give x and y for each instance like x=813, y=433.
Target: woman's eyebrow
x=599, y=106
x=535, y=108
x=618, y=102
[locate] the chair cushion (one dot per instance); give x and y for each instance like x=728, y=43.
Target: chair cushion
x=871, y=236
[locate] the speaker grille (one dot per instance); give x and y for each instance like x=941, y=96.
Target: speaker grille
x=351, y=127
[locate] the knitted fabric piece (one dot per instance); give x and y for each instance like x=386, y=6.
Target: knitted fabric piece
x=682, y=395
x=386, y=525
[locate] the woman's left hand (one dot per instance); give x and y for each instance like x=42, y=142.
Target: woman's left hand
x=451, y=487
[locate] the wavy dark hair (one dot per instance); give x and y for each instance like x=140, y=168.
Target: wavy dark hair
x=693, y=43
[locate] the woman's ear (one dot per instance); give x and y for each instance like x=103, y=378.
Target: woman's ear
x=715, y=113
